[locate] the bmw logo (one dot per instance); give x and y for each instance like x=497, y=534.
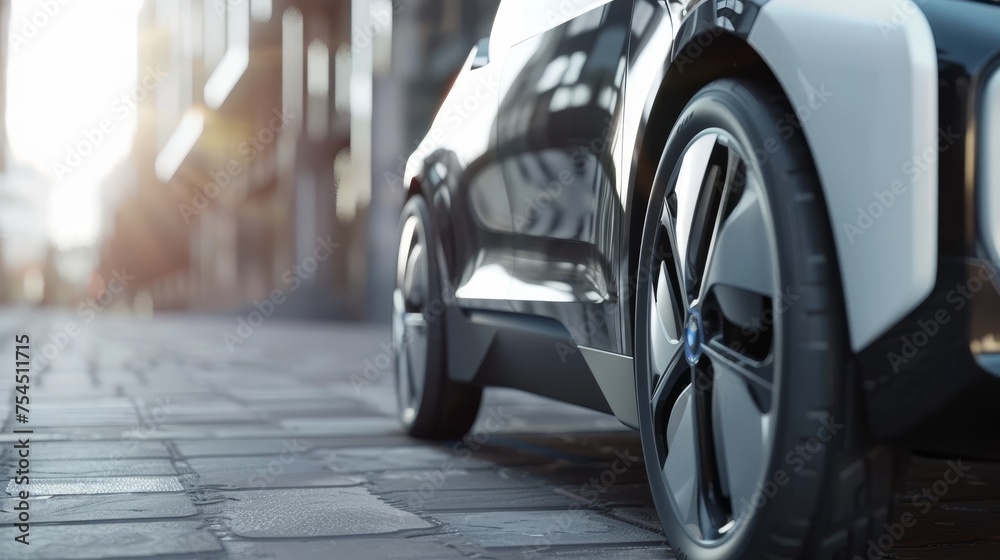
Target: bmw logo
x=694, y=337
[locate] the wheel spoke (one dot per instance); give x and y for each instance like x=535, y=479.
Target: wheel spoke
x=712, y=506
x=399, y=346
x=729, y=186
x=695, y=171
x=739, y=433
x=757, y=376
x=668, y=256
x=665, y=385
x=680, y=469
x=415, y=280
x=415, y=341
x=737, y=259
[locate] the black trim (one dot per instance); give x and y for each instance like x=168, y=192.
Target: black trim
x=531, y=353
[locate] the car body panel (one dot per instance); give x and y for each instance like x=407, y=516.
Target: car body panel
x=868, y=108
x=539, y=237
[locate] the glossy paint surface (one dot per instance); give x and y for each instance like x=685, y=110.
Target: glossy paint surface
x=531, y=164
x=532, y=193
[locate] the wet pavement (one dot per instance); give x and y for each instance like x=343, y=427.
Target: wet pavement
x=170, y=439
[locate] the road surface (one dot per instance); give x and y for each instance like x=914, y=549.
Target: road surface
x=190, y=437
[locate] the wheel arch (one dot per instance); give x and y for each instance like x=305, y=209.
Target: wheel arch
x=705, y=57
x=874, y=132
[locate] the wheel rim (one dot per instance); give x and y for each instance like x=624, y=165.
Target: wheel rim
x=410, y=319
x=712, y=337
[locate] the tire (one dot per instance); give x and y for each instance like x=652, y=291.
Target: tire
x=750, y=415
x=431, y=406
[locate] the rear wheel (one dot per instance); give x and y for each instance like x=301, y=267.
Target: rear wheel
x=752, y=433
x=431, y=406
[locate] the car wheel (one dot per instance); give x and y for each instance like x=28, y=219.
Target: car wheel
x=749, y=415
x=430, y=405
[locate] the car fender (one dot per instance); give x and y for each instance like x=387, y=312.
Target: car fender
x=863, y=76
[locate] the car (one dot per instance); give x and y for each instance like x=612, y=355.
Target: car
x=763, y=233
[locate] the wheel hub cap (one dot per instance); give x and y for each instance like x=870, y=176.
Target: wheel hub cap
x=694, y=337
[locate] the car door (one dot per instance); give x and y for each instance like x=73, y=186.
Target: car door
x=558, y=152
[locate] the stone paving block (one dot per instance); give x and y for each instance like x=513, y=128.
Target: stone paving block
x=221, y=418
x=373, y=459
x=480, y=479
x=332, y=405
x=114, y=540
x=642, y=516
x=83, y=418
x=583, y=448
x=616, y=495
x=216, y=430
x=345, y=549
x=243, y=447
x=268, y=472
x=558, y=474
x=427, y=498
x=602, y=553
x=251, y=395
x=101, y=467
x=534, y=528
x=343, y=426
x=105, y=485
x=317, y=512
x=107, y=507
x=122, y=449
x=191, y=405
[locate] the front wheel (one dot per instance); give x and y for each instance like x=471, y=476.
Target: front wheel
x=749, y=416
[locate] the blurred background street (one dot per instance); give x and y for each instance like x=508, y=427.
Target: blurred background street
x=204, y=146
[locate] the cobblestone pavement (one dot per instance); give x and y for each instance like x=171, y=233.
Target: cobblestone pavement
x=153, y=439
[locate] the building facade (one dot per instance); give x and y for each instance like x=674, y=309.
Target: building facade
x=267, y=131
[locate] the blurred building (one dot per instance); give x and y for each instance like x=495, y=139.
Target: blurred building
x=4, y=27
x=269, y=134
x=430, y=41
x=239, y=138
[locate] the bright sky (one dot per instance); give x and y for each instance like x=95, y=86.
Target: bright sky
x=70, y=68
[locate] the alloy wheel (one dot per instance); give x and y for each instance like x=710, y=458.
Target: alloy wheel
x=712, y=334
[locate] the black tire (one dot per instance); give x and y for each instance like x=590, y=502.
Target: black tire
x=431, y=406
x=830, y=504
